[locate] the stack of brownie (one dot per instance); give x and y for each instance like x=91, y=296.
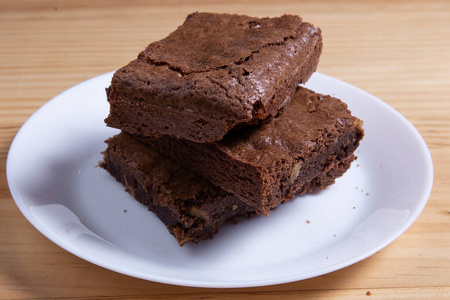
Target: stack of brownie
x=215, y=126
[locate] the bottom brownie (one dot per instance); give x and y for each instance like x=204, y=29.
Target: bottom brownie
x=192, y=208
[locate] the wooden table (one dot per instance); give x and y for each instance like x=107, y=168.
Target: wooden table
x=397, y=50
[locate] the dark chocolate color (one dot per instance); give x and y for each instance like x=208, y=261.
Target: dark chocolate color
x=309, y=145
x=190, y=206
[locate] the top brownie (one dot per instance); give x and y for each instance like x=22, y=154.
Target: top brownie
x=214, y=73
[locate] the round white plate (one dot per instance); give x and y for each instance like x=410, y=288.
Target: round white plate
x=54, y=179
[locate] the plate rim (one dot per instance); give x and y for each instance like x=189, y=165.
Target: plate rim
x=228, y=284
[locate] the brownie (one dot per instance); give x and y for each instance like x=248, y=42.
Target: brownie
x=214, y=73
x=308, y=145
x=190, y=206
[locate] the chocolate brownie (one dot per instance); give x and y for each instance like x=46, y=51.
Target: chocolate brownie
x=309, y=145
x=190, y=206
x=214, y=73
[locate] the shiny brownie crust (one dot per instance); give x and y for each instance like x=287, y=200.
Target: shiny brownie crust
x=214, y=73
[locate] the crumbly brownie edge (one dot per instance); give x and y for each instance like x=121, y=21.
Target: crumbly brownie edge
x=262, y=189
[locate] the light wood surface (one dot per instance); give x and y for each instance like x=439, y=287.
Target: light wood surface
x=397, y=50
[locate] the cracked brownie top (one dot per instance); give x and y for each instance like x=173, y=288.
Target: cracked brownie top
x=209, y=41
x=214, y=73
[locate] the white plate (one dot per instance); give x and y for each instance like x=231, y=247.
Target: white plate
x=54, y=180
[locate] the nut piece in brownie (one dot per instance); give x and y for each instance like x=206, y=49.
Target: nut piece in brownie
x=214, y=73
x=190, y=206
x=308, y=145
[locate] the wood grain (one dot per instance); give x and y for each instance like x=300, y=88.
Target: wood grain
x=397, y=50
